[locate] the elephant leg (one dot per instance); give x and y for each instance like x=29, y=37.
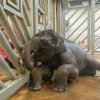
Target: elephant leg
x=91, y=66
x=62, y=74
x=87, y=72
x=38, y=75
x=36, y=78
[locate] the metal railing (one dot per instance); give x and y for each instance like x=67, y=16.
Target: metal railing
x=80, y=26
x=97, y=29
x=20, y=21
x=12, y=23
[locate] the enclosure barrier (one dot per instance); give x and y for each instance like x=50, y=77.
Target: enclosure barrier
x=21, y=19
x=18, y=36
x=83, y=26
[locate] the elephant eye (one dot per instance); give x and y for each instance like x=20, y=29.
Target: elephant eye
x=32, y=54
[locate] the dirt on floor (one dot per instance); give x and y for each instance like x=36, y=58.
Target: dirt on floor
x=85, y=88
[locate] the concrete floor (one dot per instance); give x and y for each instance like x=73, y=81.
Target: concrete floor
x=85, y=88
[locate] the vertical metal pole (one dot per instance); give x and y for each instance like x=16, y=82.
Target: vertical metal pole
x=92, y=25
x=55, y=14
x=89, y=27
x=62, y=21
x=31, y=14
x=35, y=16
x=63, y=24
x=59, y=16
x=49, y=13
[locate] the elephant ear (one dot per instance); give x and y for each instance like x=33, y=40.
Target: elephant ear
x=60, y=47
x=46, y=43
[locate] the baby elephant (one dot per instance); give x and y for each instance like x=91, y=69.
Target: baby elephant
x=60, y=60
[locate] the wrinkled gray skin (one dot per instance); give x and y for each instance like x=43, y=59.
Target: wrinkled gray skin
x=60, y=59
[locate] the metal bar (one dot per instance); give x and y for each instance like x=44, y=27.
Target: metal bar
x=92, y=25
x=97, y=47
x=2, y=85
x=6, y=69
x=31, y=29
x=80, y=34
x=85, y=47
x=9, y=29
x=97, y=10
x=72, y=15
x=13, y=86
x=25, y=13
x=39, y=2
x=97, y=29
x=67, y=12
x=77, y=28
x=18, y=29
x=48, y=14
x=27, y=4
x=55, y=15
x=35, y=16
x=77, y=7
x=43, y=5
x=89, y=28
x=40, y=11
x=8, y=50
x=97, y=42
x=63, y=25
x=76, y=20
x=25, y=29
x=59, y=21
x=97, y=19
x=97, y=38
x=83, y=40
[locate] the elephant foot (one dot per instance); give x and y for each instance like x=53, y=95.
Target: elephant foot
x=60, y=88
x=35, y=88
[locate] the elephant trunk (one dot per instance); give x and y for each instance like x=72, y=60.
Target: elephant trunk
x=26, y=56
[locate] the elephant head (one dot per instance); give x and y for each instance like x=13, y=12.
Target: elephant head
x=42, y=48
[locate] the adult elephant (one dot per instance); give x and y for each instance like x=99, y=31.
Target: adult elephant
x=60, y=59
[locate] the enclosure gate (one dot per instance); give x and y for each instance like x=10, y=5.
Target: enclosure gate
x=14, y=18
x=79, y=27
x=21, y=19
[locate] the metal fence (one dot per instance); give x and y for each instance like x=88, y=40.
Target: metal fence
x=15, y=19
x=21, y=19
x=79, y=27
x=43, y=14
x=97, y=30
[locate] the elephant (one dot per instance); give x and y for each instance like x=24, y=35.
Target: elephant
x=49, y=56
